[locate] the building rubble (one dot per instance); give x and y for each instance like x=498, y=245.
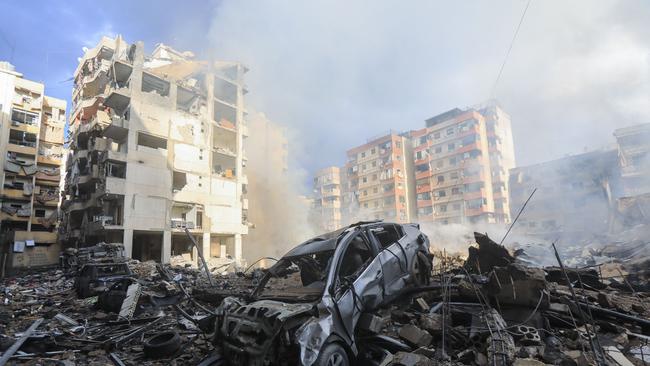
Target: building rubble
x=494, y=307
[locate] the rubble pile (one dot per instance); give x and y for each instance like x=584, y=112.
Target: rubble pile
x=493, y=308
x=94, y=330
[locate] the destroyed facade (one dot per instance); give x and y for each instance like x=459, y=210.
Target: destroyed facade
x=633, y=146
x=156, y=148
x=572, y=193
x=31, y=146
x=602, y=188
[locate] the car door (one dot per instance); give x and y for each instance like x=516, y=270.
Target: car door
x=362, y=293
x=393, y=258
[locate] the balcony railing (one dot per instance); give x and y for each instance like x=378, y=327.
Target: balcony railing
x=22, y=143
x=182, y=224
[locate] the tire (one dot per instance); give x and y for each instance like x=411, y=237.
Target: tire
x=333, y=354
x=162, y=344
x=421, y=270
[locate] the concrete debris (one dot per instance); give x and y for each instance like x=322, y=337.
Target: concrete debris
x=497, y=311
x=371, y=323
x=415, y=336
x=411, y=359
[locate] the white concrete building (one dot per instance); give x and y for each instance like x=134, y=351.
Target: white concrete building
x=156, y=146
x=31, y=153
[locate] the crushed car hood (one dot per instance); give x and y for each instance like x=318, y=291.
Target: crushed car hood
x=275, y=309
x=250, y=330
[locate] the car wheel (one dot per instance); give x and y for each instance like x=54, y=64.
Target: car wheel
x=421, y=270
x=332, y=354
x=162, y=344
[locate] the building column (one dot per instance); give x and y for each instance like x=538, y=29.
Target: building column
x=128, y=242
x=206, y=245
x=223, y=249
x=238, y=250
x=167, y=246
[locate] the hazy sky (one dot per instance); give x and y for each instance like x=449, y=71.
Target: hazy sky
x=339, y=72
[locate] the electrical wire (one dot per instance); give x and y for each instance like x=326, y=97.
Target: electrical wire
x=257, y=261
x=512, y=43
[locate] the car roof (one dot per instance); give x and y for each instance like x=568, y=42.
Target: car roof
x=322, y=243
x=328, y=241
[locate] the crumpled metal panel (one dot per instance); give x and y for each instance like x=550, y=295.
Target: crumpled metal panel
x=312, y=336
x=276, y=309
x=250, y=329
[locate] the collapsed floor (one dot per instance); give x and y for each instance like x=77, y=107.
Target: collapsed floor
x=492, y=308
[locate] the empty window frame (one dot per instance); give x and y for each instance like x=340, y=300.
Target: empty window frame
x=151, y=141
x=151, y=83
x=116, y=169
x=18, y=116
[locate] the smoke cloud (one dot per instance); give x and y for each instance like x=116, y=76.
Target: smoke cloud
x=338, y=72
x=279, y=214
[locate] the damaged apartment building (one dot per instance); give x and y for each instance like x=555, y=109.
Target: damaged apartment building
x=462, y=159
x=377, y=181
x=326, y=206
x=586, y=192
x=155, y=149
x=453, y=171
x=31, y=143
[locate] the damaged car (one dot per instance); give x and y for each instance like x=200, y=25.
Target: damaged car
x=94, y=278
x=305, y=308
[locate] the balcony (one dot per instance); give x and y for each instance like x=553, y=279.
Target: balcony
x=423, y=188
x=94, y=227
x=94, y=83
x=9, y=217
x=28, y=103
x=424, y=174
x=118, y=98
x=47, y=197
x=123, y=70
x=116, y=155
x=24, y=121
x=424, y=160
x=15, y=194
x=440, y=215
x=21, y=147
x=181, y=224
x=474, y=195
x=50, y=160
x=476, y=211
x=113, y=127
x=474, y=178
x=468, y=148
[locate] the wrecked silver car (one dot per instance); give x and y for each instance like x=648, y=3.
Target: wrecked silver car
x=306, y=306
